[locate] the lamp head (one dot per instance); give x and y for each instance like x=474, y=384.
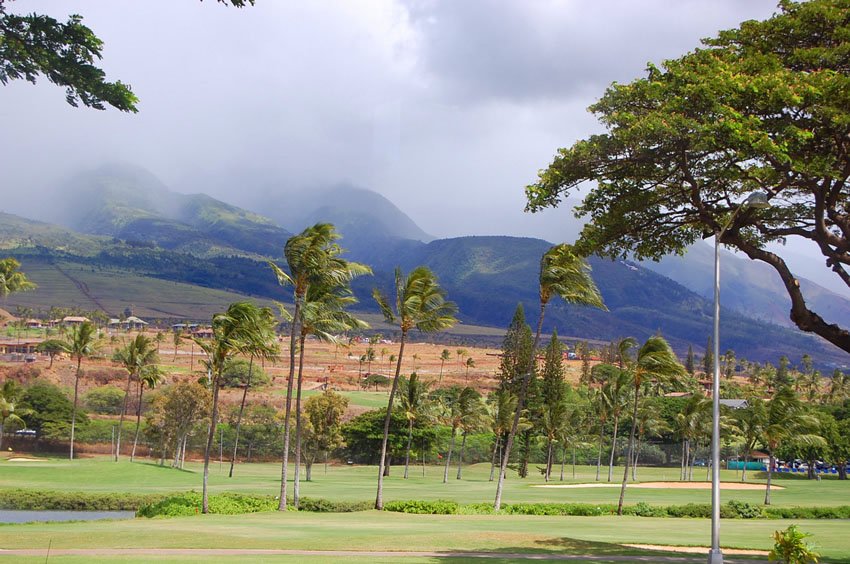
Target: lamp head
x=757, y=200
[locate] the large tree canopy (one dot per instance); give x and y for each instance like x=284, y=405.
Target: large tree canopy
x=765, y=107
x=65, y=53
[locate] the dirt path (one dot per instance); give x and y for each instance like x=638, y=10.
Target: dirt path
x=212, y=552
x=666, y=485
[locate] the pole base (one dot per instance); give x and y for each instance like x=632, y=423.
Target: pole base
x=715, y=556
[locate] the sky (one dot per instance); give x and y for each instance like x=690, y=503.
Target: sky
x=448, y=108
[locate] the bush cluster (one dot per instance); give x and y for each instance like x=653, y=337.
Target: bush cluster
x=190, y=503
x=319, y=505
x=436, y=507
x=37, y=500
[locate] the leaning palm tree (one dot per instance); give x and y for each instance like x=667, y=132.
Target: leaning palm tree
x=263, y=345
x=564, y=273
x=312, y=256
x=420, y=303
x=149, y=376
x=413, y=396
x=323, y=315
x=655, y=362
x=502, y=405
x=81, y=343
x=134, y=356
x=233, y=333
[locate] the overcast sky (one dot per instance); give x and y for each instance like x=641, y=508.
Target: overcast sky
x=447, y=108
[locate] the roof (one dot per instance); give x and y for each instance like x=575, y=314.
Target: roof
x=134, y=319
x=74, y=319
x=735, y=403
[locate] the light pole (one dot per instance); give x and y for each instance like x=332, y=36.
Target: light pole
x=756, y=200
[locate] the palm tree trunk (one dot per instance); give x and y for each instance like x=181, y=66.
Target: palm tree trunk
x=548, y=460
x=770, y=460
x=407, y=450
x=138, y=421
x=449, y=455
x=613, y=448
x=574, y=462
x=520, y=404
x=121, y=419
x=460, y=458
x=239, y=416
x=599, y=450
x=629, y=453
x=296, y=489
x=288, y=410
x=493, y=458
x=379, y=499
x=210, y=437
x=638, y=448
x=74, y=411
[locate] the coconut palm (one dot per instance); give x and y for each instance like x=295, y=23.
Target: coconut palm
x=8, y=411
x=502, y=405
x=655, y=362
x=81, y=343
x=650, y=423
x=234, y=332
x=690, y=423
x=785, y=419
x=749, y=421
x=420, y=303
x=473, y=414
x=616, y=391
x=262, y=345
x=149, y=376
x=414, y=400
x=323, y=315
x=839, y=387
x=566, y=274
x=134, y=356
x=444, y=356
x=11, y=279
x=312, y=256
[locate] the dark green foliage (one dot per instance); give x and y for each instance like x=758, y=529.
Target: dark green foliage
x=235, y=374
x=106, y=400
x=363, y=435
x=741, y=509
x=516, y=353
x=318, y=505
x=34, y=44
x=227, y=503
x=45, y=500
x=689, y=360
x=50, y=408
x=436, y=507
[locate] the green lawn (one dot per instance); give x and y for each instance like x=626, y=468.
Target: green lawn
x=371, y=530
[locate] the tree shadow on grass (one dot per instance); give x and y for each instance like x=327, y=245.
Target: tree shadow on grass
x=166, y=467
x=567, y=549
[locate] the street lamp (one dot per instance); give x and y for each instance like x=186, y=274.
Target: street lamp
x=756, y=200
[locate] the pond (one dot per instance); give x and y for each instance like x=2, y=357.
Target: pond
x=18, y=516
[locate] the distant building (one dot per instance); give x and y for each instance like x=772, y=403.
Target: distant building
x=74, y=320
x=735, y=403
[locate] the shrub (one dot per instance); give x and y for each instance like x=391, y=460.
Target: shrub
x=791, y=547
x=735, y=509
x=37, y=500
x=643, y=509
x=701, y=510
x=107, y=400
x=190, y=503
x=328, y=506
x=235, y=374
x=437, y=507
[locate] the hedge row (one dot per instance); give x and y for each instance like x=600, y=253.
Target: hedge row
x=45, y=500
x=731, y=510
x=234, y=504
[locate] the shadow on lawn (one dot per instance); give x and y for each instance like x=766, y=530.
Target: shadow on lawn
x=566, y=549
x=165, y=467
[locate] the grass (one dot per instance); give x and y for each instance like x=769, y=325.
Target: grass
x=370, y=400
x=368, y=531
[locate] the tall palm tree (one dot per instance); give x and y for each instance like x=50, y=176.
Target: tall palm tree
x=444, y=356
x=502, y=405
x=750, y=421
x=233, y=333
x=413, y=396
x=566, y=274
x=689, y=424
x=616, y=391
x=134, y=356
x=420, y=303
x=81, y=343
x=9, y=413
x=149, y=376
x=786, y=418
x=650, y=423
x=263, y=345
x=655, y=362
x=473, y=413
x=312, y=256
x=323, y=315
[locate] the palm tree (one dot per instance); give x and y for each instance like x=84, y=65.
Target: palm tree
x=234, y=332
x=750, y=421
x=616, y=391
x=689, y=424
x=313, y=256
x=149, y=376
x=137, y=354
x=81, y=343
x=502, y=405
x=413, y=396
x=786, y=418
x=322, y=315
x=444, y=356
x=8, y=411
x=655, y=362
x=470, y=363
x=473, y=412
x=11, y=279
x=839, y=387
x=262, y=345
x=566, y=274
x=650, y=423
x=420, y=303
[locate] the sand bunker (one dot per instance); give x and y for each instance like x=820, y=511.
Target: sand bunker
x=698, y=549
x=19, y=459
x=667, y=485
